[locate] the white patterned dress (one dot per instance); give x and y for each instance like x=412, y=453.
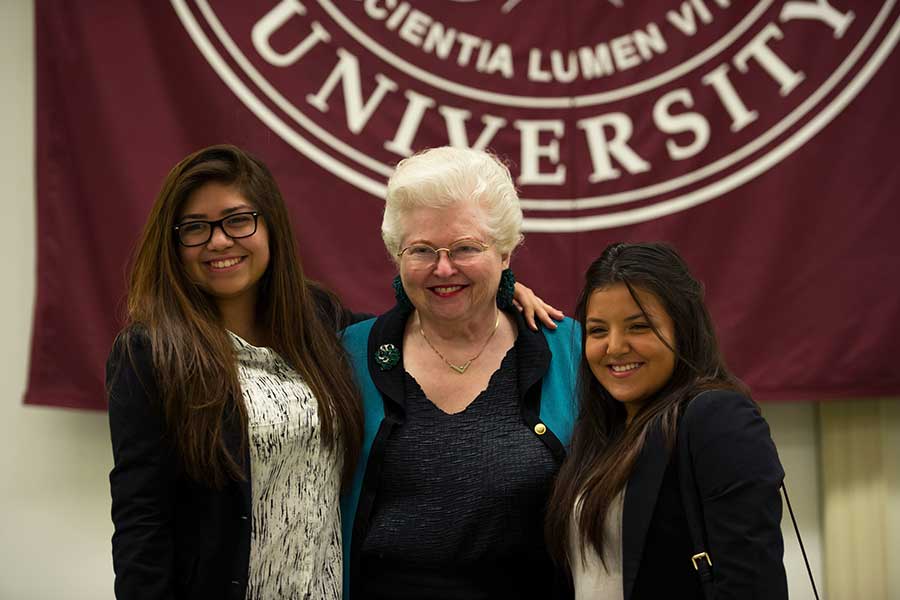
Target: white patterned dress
x=295, y=544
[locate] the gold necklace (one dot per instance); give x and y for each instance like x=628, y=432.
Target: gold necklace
x=459, y=368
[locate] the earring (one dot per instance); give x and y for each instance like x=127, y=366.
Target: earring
x=506, y=289
x=400, y=294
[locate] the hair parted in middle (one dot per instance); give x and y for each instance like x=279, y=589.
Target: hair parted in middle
x=446, y=176
x=193, y=355
x=603, y=451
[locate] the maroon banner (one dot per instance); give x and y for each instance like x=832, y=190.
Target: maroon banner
x=757, y=137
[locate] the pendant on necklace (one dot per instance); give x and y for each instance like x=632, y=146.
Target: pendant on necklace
x=458, y=368
x=461, y=368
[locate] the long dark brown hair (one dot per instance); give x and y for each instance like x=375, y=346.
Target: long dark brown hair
x=604, y=450
x=193, y=355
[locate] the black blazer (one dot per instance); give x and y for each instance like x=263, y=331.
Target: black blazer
x=174, y=538
x=738, y=475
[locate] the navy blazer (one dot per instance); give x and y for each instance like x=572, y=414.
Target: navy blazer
x=738, y=475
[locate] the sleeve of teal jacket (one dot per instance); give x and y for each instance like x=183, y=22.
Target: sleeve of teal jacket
x=356, y=341
x=559, y=390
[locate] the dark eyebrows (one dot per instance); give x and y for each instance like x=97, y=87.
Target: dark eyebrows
x=238, y=208
x=225, y=213
x=631, y=318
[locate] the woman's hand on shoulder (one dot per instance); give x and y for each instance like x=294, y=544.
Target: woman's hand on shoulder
x=533, y=307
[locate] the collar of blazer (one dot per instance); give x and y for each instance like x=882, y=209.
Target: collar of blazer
x=532, y=351
x=640, y=502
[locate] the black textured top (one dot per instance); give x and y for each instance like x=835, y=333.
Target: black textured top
x=461, y=501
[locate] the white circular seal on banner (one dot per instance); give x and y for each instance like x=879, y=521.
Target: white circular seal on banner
x=610, y=113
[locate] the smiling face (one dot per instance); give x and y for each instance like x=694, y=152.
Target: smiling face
x=624, y=353
x=227, y=269
x=445, y=290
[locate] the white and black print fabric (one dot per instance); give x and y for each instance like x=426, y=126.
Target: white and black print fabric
x=295, y=547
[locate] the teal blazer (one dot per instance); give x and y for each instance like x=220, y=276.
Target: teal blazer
x=548, y=366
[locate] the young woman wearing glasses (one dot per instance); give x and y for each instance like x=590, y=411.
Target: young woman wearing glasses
x=233, y=414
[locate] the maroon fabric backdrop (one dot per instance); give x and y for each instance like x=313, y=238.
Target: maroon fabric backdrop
x=759, y=138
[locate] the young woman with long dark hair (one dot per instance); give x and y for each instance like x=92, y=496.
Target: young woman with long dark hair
x=230, y=400
x=654, y=387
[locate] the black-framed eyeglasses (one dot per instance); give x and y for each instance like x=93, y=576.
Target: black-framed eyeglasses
x=236, y=226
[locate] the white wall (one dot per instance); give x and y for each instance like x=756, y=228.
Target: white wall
x=795, y=431
x=891, y=435
x=54, y=504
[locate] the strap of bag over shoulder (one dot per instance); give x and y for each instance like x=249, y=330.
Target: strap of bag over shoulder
x=812, y=581
x=693, y=510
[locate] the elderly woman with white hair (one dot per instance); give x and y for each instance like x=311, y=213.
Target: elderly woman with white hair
x=467, y=410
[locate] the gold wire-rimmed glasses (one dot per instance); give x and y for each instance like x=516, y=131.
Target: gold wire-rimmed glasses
x=461, y=253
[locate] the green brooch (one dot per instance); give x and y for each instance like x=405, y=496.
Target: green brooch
x=387, y=356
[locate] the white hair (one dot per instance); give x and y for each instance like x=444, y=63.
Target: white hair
x=446, y=176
